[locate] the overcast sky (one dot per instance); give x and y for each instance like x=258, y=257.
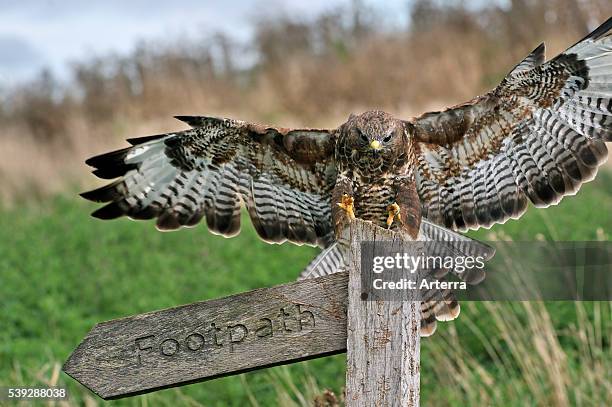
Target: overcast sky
x=50, y=33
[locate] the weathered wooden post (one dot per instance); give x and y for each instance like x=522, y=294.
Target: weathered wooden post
x=383, y=355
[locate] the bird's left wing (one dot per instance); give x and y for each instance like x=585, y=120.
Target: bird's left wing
x=284, y=178
x=538, y=136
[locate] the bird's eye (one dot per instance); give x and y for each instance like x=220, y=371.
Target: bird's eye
x=363, y=138
x=388, y=138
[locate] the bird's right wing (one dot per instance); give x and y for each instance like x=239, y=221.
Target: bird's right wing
x=284, y=177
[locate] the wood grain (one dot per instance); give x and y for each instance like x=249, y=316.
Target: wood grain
x=209, y=339
x=383, y=360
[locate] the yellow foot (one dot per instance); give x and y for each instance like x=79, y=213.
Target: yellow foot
x=347, y=205
x=394, y=211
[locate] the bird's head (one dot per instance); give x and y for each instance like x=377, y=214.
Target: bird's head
x=374, y=140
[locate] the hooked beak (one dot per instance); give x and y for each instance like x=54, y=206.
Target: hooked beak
x=375, y=145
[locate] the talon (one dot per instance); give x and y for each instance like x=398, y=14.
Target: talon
x=347, y=205
x=394, y=211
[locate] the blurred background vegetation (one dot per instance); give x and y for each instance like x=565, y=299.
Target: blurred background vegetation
x=61, y=271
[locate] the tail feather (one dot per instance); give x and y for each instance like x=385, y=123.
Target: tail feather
x=448, y=242
x=436, y=305
x=331, y=260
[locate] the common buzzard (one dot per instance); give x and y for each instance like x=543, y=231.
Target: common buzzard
x=535, y=138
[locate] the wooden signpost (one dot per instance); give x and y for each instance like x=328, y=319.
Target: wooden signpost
x=209, y=339
x=383, y=336
x=264, y=328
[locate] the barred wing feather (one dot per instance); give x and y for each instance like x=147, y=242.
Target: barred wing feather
x=283, y=177
x=536, y=137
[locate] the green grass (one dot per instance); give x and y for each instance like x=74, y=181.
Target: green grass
x=62, y=271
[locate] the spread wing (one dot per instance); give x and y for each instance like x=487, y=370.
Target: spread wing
x=283, y=177
x=536, y=137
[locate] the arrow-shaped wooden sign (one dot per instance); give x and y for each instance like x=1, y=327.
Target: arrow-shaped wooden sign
x=210, y=339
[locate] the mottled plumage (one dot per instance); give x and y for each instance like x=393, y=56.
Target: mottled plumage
x=374, y=177
x=283, y=177
x=534, y=138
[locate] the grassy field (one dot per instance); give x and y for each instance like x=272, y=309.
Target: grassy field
x=62, y=271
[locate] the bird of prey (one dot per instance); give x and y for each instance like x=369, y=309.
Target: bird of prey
x=535, y=138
